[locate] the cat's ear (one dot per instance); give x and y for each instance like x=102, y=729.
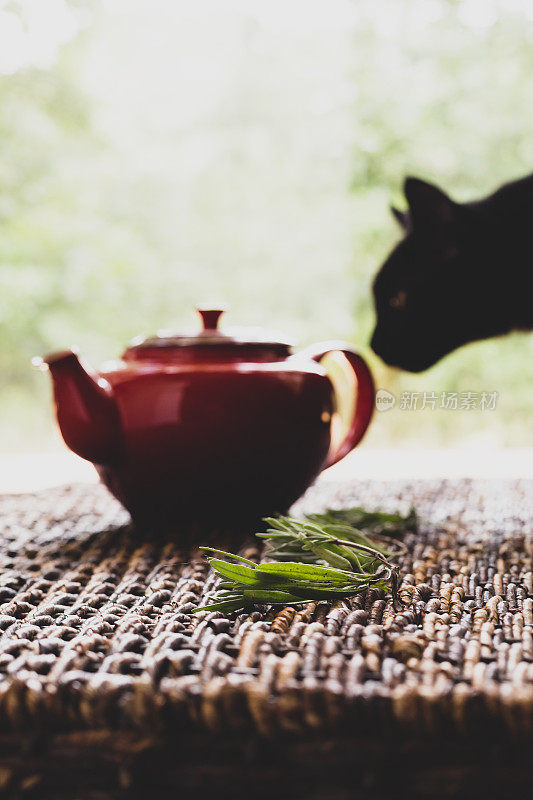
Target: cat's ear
x=429, y=206
x=401, y=217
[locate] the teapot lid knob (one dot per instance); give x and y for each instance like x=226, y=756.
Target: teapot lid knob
x=210, y=317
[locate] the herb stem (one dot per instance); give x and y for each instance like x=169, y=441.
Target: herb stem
x=396, y=601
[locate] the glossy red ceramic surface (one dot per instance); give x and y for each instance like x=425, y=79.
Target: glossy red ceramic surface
x=214, y=428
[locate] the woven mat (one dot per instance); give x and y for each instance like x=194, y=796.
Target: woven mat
x=97, y=629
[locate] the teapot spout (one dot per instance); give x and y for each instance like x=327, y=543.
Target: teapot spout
x=86, y=408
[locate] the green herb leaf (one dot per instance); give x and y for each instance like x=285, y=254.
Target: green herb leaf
x=206, y=549
x=328, y=555
x=305, y=571
x=235, y=572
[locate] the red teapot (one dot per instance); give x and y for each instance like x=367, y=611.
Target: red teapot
x=211, y=426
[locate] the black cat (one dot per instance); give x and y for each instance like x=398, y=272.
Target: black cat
x=463, y=271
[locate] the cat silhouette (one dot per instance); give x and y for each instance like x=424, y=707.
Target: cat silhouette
x=462, y=272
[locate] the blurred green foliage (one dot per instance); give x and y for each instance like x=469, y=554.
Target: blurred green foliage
x=173, y=153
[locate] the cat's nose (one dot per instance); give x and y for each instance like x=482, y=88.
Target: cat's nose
x=383, y=348
x=376, y=343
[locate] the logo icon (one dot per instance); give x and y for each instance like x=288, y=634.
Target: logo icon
x=385, y=400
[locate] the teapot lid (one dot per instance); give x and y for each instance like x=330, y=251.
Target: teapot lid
x=209, y=337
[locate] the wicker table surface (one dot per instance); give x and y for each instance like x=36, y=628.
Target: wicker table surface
x=99, y=647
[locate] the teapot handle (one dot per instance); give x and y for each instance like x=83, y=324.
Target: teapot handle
x=364, y=404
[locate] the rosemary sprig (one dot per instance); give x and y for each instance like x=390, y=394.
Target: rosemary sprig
x=324, y=556
x=286, y=583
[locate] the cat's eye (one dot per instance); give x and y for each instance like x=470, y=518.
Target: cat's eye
x=398, y=300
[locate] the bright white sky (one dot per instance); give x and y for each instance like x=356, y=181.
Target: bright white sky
x=44, y=25
x=34, y=37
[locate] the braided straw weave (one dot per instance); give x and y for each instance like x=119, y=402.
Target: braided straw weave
x=97, y=630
